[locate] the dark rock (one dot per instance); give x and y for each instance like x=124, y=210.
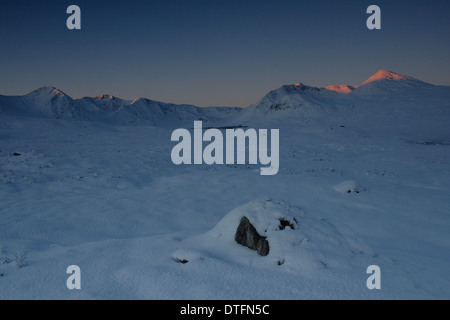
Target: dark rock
x=247, y=236
x=263, y=247
x=182, y=261
x=286, y=223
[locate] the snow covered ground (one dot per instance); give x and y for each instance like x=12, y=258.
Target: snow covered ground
x=105, y=196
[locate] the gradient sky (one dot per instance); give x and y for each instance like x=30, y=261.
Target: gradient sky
x=216, y=52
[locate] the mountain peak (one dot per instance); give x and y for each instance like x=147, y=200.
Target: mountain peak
x=48, y=91
x=387, y=75
x=106, y=96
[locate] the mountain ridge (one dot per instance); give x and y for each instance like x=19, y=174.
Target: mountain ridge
x=307, y=101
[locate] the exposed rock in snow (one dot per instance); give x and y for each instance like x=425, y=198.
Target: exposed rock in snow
x=297, y=241
x=248, y=236
x=349, y=186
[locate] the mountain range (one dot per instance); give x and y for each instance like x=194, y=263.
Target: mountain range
x=383, y=93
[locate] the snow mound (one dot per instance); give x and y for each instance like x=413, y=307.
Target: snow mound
x=265, y=216
x=298, y=242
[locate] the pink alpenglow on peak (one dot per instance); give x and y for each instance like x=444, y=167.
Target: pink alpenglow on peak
x=105, y=96
x=387, y=75
x=341, y=88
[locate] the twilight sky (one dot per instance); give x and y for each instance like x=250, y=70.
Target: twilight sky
x=216, y=52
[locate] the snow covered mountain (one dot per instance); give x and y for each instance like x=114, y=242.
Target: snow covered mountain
x=308, y=100
x=388, y=98
x=312, y=100
x=145, y=111
x=49, y=102
x=105, y=102
x=387, y=101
